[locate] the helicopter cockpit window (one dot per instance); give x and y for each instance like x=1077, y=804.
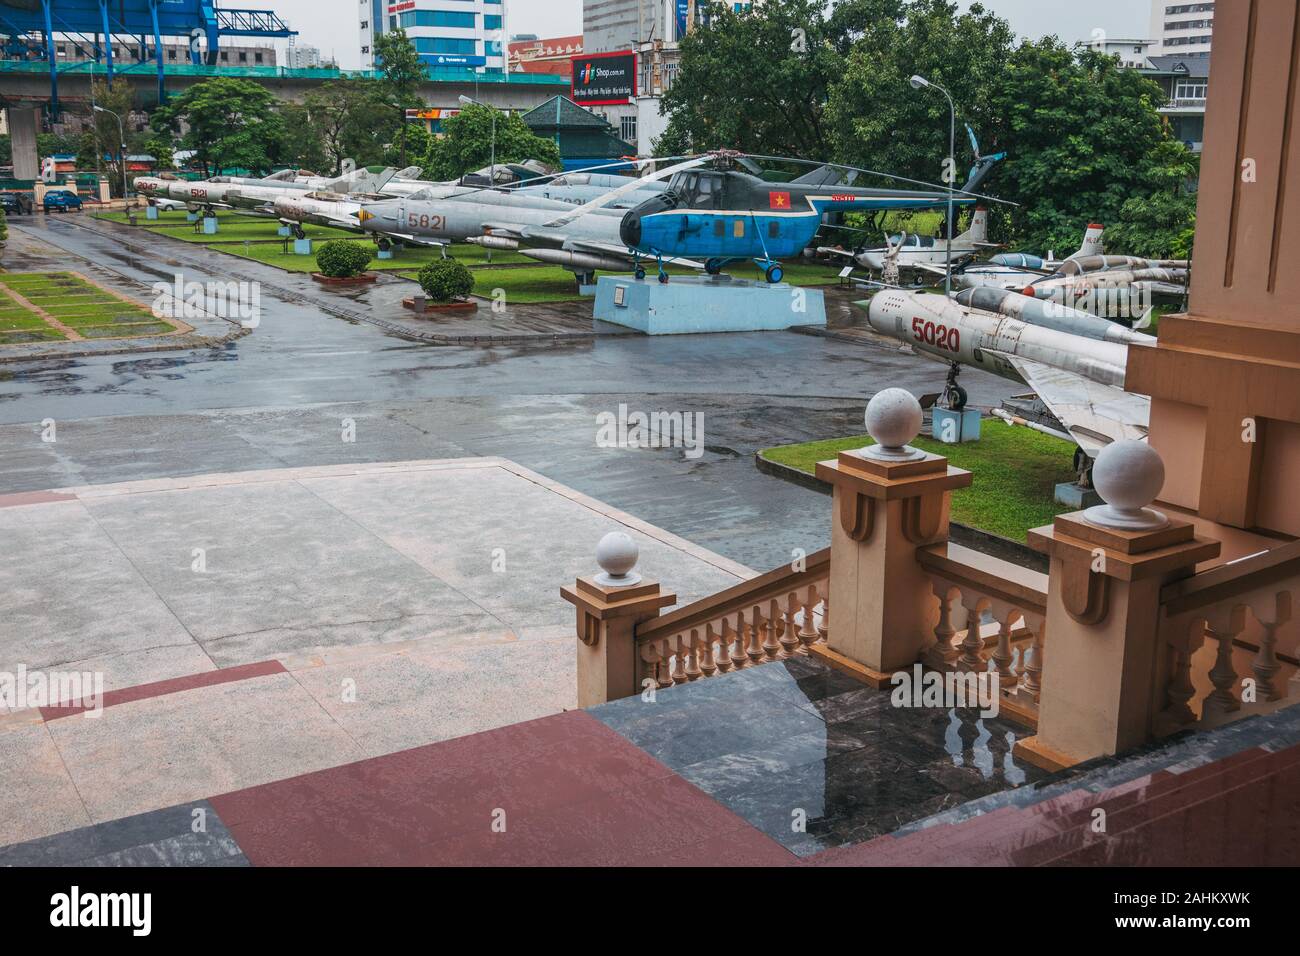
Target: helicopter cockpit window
x=706, y=193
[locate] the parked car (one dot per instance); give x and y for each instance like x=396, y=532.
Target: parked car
x=61, y=199
x=15, y=204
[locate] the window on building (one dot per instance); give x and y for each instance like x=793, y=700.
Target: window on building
x=257, y=57
x=491, y=21
x=365, y=24
x=171, y=54
x=438, y=18
x=225, y=57
x=1189, y=90
x=627, y=129
x=243, y=58
x=445, y=45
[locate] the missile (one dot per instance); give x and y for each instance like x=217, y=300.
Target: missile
x=493, y=242
x=583, y=261
x=1049, y=315
x=1102, y=263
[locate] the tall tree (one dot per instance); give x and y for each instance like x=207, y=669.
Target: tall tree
x=467, y=143
x=402, y=71
x=230, y=123
x=720, y=98
x=106, y=137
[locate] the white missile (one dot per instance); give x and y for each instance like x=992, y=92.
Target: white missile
x=1049, y=315
x=584, y=261
x=494, y=242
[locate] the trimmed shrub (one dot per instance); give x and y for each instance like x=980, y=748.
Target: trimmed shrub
x=342, y=258
x=445, y=279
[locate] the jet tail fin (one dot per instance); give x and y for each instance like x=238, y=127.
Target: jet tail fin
x=1091, y=241
x=410, y=172
x=978, y=230
x=1146, y=321
x=983, y=164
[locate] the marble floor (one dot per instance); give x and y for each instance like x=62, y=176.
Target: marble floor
x=815, y=759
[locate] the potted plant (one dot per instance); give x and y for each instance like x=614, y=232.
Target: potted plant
x=343, y=262
x=447, y=285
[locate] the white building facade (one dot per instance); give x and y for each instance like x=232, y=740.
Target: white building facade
x=448, y=35
x=1180, y=27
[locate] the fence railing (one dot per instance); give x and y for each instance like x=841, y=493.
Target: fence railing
x=1222, y=635
x=775, y=616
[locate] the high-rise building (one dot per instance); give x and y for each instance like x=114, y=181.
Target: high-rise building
x=1181, y=27
x=447, y=34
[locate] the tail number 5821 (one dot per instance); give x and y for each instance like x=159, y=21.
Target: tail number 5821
x=940, y=336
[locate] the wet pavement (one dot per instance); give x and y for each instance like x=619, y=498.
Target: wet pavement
x=283, y=394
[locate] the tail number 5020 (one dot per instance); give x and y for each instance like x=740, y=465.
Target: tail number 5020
x=940, y=336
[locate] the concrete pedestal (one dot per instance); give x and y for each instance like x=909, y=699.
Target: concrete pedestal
x=705, y=304
x=953, y=427
x=302, y=247
x=210, y=226
x=191, y=216
x=1076, y=498
x=284, y=231
x=151, y=212
x=384, y=254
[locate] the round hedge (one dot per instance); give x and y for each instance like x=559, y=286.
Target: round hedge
x=341, y=258
x=445, y=279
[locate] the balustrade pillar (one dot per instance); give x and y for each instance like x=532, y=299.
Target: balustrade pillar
x=889, y=500
x=610, y=605
x=1108, y=564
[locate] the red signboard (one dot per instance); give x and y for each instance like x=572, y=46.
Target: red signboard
x=604, y=79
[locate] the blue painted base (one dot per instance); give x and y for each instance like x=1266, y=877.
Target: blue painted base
x=953, y=427
x=210, y=226
x=588, y=289
x=191, y=216
x=151, y=212
x=1072, y=496
x=705, y=304
x=384, y=254
x=284, y=231
x=302, y=247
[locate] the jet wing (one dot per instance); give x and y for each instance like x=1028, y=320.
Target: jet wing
x=610, y=249
x=1093, y=413
x=831, y=251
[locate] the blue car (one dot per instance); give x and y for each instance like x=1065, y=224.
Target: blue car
x=61, y=199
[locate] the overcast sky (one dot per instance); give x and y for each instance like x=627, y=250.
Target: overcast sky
x=332, y=25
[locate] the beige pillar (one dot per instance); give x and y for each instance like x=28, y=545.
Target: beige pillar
x=886, y=506
x=609, y=606
x=1099, y=693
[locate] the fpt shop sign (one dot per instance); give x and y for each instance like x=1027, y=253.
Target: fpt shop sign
x=604, y=79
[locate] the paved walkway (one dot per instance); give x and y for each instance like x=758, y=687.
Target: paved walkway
x=251, y=627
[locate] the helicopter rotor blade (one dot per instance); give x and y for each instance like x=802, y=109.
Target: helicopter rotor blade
x=621, y=164
x=874, y=172
x=613, y=194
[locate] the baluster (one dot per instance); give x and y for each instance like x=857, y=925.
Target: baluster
x=1180, y=691
x=1265, y=664
x=942, y=654
x=1032, y=665
x=707, y=666
x=826, y=612
x=771, y=646
x=808, y=631
x=755, y=649
x=679, y=658
x=738, y=656
x=972, y=645
x=724, y=646
x=1223, y=699
x=693, y=655
x=664, y=668
x=1002, y=652
x=789, y=636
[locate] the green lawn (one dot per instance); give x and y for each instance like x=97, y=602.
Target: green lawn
x=90, y=311
x=1015, y=473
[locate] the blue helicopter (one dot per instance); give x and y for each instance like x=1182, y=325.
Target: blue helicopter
x=729, y=214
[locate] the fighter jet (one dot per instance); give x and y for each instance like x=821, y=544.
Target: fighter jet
x=929, y=250
x=1079, y=378
x=260, y=195
x=1015, y=270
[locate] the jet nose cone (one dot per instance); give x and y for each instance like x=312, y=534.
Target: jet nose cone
x=878, y=316
x=629, y=230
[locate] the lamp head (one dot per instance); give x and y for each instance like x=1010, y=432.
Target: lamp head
x=918, y=81
x=465, y=100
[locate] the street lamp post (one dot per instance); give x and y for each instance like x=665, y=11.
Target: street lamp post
x=920, y=82
x=121, y=137
x=492, y=170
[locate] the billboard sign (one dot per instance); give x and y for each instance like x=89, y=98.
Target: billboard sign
x=604, y=79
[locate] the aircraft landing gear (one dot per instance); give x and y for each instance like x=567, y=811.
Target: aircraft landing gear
x=298, y=232
x=663, y=276
x=383, y=243
x=1082, y=468
x=772, y=271
x=584, y=279
x=954, y=396
x=639, y=273
x=713, y=266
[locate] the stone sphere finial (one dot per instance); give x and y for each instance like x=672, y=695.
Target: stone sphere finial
x=1128, y=475
x=893, y=418
x=617, y=555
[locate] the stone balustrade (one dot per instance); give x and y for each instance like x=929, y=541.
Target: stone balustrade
x=1222, y=640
